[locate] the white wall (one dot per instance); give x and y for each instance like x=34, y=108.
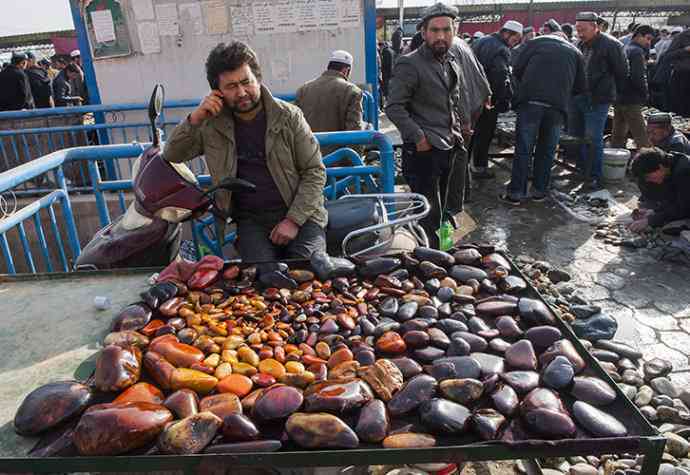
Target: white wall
x=181, y=68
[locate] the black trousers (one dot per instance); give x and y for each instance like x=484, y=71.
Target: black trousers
x=460, y=182
x=428, y=173
x=483, y=135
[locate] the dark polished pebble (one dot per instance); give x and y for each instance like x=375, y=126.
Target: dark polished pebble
x=443, y=416
x=522, y=381
x=506, y=400
x=597, y=422
x=489, y=364
x=592, y=390
x=477, y=343
x=456, y=367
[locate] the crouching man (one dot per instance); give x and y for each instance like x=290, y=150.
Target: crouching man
x=244, y=132
x=668, y=176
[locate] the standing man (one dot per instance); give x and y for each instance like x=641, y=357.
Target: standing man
x=550, y=27
x=245, y=132
x=606, y=69
x=15, y=91
x=423, y=105
x=542, y=105
x=62, y=89
x=331, y=102
x=77, y=82
x=635, y=92
x=493, y=52
x=663, y=43
x=387, y=61
x=40, y=82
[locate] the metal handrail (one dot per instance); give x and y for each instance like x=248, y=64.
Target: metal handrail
x=340, y=179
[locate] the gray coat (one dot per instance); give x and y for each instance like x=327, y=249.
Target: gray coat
x=475, y=88
x=423, y=101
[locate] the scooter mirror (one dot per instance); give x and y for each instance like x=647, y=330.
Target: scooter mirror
x=155, y=109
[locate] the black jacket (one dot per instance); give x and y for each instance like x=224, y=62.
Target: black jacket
x=676, y=142
x=551, y=71
x=41, y=86
x=15, y=91
x=607, y=70
x=677, y=191
x=494, y=55
x=387, y=60
x=62, y=91
x=635, y=89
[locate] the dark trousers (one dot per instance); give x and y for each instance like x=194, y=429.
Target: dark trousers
x=483, y=135
x=460, y=181
x=254, y=243
x=538, y=126
x=428, y=173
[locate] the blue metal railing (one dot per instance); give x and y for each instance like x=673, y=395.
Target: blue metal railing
x=20, y=145
x=340, y=179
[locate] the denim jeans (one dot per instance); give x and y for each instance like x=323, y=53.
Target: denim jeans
x=541, y=126
x=589, y=120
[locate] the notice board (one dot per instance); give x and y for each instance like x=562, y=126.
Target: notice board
x=170, y=40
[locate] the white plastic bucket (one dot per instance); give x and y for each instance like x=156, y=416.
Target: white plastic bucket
x=615, y=162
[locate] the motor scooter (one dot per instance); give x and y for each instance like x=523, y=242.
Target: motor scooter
x=167, y=194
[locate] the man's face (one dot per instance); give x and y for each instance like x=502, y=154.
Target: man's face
x=438, y=34
x=663, y=34
x=513, y=39
x=657, y=134
x=23, y=64
x=241, y=89
x=658, y=176
x=586, y=30
x=528, y=36
x=644, y=40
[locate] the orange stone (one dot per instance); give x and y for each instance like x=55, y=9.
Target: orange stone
x=307, y=350
x=391, y=342
x=310, y=360
x=150, y=329
x=340, y=356
x=272, y=367
x=279, y=354
x=235, y=383
x=141, y=392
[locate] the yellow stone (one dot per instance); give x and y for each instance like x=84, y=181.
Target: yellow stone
x=247, y=355
x=294, y=367
x=244, y=369
x=272, y=367
x=224, y=369
x=212, y=360
x=233, y=342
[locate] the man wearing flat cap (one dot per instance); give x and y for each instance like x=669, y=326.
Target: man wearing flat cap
x=662, y=134
x=15, y=91
x=550, y=27
x=606, y=70
x=493, y=52
x=423, y=105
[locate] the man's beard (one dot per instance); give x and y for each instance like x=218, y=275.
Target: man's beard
x=439, y=49
x=248, y=106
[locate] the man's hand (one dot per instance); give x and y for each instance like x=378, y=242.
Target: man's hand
x=423, y=145
x=211, y=106
x=467, y=133
x=640, y=213
x=639, y=225
x=284, y=232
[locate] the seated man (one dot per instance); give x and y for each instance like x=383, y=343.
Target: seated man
x=662, y=134
x=243, y=131
x=668, y=176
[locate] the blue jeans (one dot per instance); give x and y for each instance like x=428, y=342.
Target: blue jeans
x=540, y=126
x=589, y=120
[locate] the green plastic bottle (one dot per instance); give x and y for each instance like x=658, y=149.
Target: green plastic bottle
x=445, y=235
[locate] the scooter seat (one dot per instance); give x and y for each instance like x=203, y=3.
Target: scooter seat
x=345, y=216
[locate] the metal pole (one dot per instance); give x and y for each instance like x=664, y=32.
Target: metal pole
x=372, y=67
x=401, y=14
x=90, y=77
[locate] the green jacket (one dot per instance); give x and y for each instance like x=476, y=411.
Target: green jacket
x=292, y=156
x=331, y=103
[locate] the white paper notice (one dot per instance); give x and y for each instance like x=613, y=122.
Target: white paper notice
x=190, y=14
x=285, y=16
x=103, y=27
x=281, y=68
x=242, y=20
x=168, y=23
x=307, y=15
x=327, y=12
x=350, y=13
x=265, y=22
x=149, y=40
x=216, y=17
x=143, y=9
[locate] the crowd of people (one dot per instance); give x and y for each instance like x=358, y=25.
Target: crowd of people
x=561, y=78
x=27, y=82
